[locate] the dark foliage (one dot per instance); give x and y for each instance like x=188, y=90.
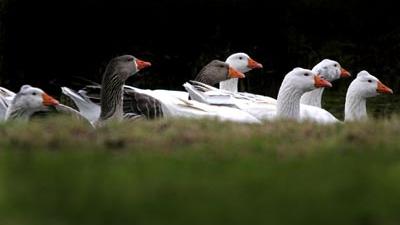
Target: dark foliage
x=50, y=43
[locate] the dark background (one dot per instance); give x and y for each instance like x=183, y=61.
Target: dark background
x=52, y=43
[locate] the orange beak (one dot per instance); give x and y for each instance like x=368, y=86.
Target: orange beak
x=232, y=73
x=383, y=89
x=321, y=83
x=252, y=64
x=142, y=64
x=344, y=73
x=48, y=100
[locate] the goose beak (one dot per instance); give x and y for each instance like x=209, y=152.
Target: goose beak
x=321, y=83
x=344, y=73
x=383, y=89
x=142, y=64
x=252, y=64
x=233, y=73
x=48, y=100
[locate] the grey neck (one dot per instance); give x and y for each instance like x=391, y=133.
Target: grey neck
x=111, y=97
x=206, y=79
x=288, y=102
x=313, y=97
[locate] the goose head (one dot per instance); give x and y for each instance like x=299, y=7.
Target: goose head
x=33, y=98
x=126, y=66
x=28, y=101
x=305, y=80
x=217, y=71
x=367, y=85
x=294, y=85
x=330, y=70
x=242, y=62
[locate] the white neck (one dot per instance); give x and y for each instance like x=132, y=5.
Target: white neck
x=229, y=85
x=16, y=111
x=288, y=102
x=355, y=107
x=313, y=97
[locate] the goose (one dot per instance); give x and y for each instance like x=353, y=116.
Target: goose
x=118, y=70
x=158, y=103
x=241, y=62
x=294, y=85
x=173, y=106
x=110, y=106
x=28, y=101
x=87, y=100
x=263, y=108
x=329, y=70
x=363, y=87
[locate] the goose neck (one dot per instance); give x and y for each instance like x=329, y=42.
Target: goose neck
x=288, y=102
x=355, y=107
x=18, y=112
x=111, y=97
x=229, y=85
x=313, y=97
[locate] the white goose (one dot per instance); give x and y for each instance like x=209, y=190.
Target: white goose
x=28, y=101
x=241, y=62
x=294, y=85
x=263, y=107
x=363, y=87
x=330, y=70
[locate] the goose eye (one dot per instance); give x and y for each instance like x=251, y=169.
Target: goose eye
x=306, y=74
x=130, y=59
x=240, y=57
x=369, y=81
x=34, y=93
x=336, y=65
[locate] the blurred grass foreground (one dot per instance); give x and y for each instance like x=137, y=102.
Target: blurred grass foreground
x=60, y=172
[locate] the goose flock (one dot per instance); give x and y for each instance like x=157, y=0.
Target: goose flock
x=299, y=96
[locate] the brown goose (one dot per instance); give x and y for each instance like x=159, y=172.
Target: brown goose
x=110, y=99
x=118, y=70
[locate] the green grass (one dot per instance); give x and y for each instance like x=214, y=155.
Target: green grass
x=58, y=172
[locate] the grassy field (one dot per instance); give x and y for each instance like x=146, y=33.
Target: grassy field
x=60, y=172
